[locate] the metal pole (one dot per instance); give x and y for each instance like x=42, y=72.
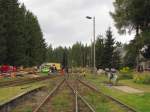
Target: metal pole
x=94, y=41
x=94, y=65
x=91, y=53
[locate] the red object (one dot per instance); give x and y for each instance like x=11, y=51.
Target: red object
x=4, y=68
x=14, y=69
x=7, y=68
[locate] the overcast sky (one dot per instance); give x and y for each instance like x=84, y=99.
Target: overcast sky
x=63, y=22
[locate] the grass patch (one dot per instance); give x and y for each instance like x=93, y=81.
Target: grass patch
x=142, y=78
x=43, y=74
x=28, y=109
x=141, y=102
x=7, y=79
x=131, y=83
x=9, y=92
x=100, y=103
x=62, y=102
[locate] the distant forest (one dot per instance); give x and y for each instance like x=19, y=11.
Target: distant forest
x=22, y=42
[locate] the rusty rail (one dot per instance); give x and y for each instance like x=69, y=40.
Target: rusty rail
x=49, y=96
x=77, y=95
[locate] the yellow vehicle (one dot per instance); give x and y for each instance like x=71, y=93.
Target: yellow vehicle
x=57, y=65
x=46, y=66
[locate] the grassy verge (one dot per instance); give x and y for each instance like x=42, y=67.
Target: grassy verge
x=7, y=79
x=9, y=92
x=131, y=83
x=141, y=102
x=30, y=104
x=99, y=102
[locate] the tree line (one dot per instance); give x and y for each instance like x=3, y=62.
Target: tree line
x=22, y=42
x=21, y=38
x=130, y=16
x=80, y=55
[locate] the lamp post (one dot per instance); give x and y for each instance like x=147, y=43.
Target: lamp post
x=93, y=18
x=91, y=53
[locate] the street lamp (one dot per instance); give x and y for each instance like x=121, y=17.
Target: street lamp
x=93, y=18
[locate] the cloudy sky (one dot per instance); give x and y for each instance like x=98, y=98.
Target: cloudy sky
x=63, y=22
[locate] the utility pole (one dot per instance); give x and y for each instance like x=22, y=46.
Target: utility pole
x=91, y=53
x=94, y=42
x=94, y=61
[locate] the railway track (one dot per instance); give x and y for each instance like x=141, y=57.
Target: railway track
x=79, y=91
x=48, y=97
x=80, y=104
x=24, y=81
x=122, y=105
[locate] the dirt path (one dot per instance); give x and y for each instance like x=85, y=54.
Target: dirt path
x=128, y=89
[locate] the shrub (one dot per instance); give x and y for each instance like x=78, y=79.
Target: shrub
x=143, y=78
x=125, y=73
x=125, y=70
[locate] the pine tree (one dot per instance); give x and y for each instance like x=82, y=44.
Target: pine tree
x=21, y=39
x=108, y=50
x=12, y=35
x=76, y=52
x=116, y=61
x=65, y=59
x=36, y=48
x=3, y=43
x=99, y=52
x=49, y=54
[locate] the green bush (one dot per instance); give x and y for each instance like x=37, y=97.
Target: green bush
x=125, y=73
x=125, y=70
x=143, y=78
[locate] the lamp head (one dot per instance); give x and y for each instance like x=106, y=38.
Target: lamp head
x=88, y=17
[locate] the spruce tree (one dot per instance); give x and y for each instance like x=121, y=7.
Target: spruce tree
x=116, y=61
x=99, y=52
x=21, y=38
x=3, y=43
x=108, y=50
x=36, y=48
x=13, y=32
x=65, y=59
